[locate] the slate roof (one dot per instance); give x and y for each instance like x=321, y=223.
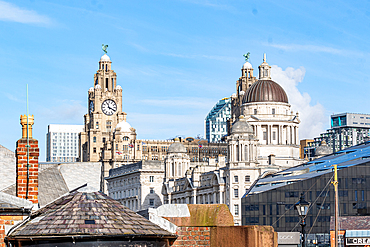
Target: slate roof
x=351, y=223
x=7, y=167
x=14, y=205
x=88, y=214
x=55, y=179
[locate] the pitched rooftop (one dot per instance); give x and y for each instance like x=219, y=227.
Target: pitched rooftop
x=89, y=214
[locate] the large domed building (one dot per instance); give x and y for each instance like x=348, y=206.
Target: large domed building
x=265, y=106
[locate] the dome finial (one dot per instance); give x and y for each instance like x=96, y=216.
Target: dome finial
x=104, y=48
x=247, y=56
x=264, y=57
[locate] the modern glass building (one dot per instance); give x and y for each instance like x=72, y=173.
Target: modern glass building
x=347, y=130
x=271, y=200
x=215, y=124
x=62, y=142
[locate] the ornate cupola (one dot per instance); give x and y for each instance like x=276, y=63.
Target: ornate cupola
x=247, y=70
x=264, y=70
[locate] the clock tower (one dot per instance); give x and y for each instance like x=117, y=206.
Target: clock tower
x=104, y=112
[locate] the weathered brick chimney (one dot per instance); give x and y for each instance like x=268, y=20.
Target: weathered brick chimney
x=27, y=188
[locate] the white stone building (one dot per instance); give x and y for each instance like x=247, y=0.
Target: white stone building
x=264, y=104
x=137, y=186
x=220, y=182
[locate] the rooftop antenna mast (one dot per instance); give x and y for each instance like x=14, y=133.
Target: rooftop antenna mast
x=28, y=148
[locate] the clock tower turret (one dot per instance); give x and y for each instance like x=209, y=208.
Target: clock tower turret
x=105, y=112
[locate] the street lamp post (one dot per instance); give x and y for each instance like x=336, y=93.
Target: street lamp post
x=302, y=208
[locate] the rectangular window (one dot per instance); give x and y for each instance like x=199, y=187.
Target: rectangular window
x=255, y=111
x=151, y=178
x=109, y=126
x=265, y=136
x=94, y=150
x=236, y=209
x=292, y=194
x=151, y=202
x=236, y=179
x=273, y=110
x=97, y=125
x=151, y=190
x=236, y=193
x=362, y=195
x=274, y=135
x=247, y=178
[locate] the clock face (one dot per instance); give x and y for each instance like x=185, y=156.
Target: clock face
x=91, y=106
x=109, y=107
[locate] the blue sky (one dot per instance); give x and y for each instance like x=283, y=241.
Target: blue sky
x=174, y=59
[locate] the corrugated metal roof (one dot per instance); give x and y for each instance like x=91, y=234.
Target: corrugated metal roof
x=349, y=157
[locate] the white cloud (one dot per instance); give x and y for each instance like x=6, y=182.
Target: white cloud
x=11, y=12
x=71, y=112
x=312, y=117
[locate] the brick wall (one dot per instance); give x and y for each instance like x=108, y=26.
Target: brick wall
x=21, y=179
x=6, y=222
x=193, y=236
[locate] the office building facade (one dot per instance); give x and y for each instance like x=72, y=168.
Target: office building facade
x=215, y=124
x=347, y=130
x=62, y=142
x=271, y=200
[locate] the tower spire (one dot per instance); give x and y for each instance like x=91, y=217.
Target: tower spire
x=264, y=69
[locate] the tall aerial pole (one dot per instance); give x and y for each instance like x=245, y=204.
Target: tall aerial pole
x=28, y=149
x=336, y=205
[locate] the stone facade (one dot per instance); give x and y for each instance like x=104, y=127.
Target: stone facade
x=264, y=104
x=105, y=112
x=137, y=186
x=220, y=182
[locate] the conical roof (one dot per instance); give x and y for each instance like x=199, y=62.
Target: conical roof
x=91, y=214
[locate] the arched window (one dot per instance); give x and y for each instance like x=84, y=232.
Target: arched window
x=102, y=66
x=173, y=170
x=106, y=67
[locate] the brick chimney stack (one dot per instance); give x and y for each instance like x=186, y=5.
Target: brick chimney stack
x=21, y=158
